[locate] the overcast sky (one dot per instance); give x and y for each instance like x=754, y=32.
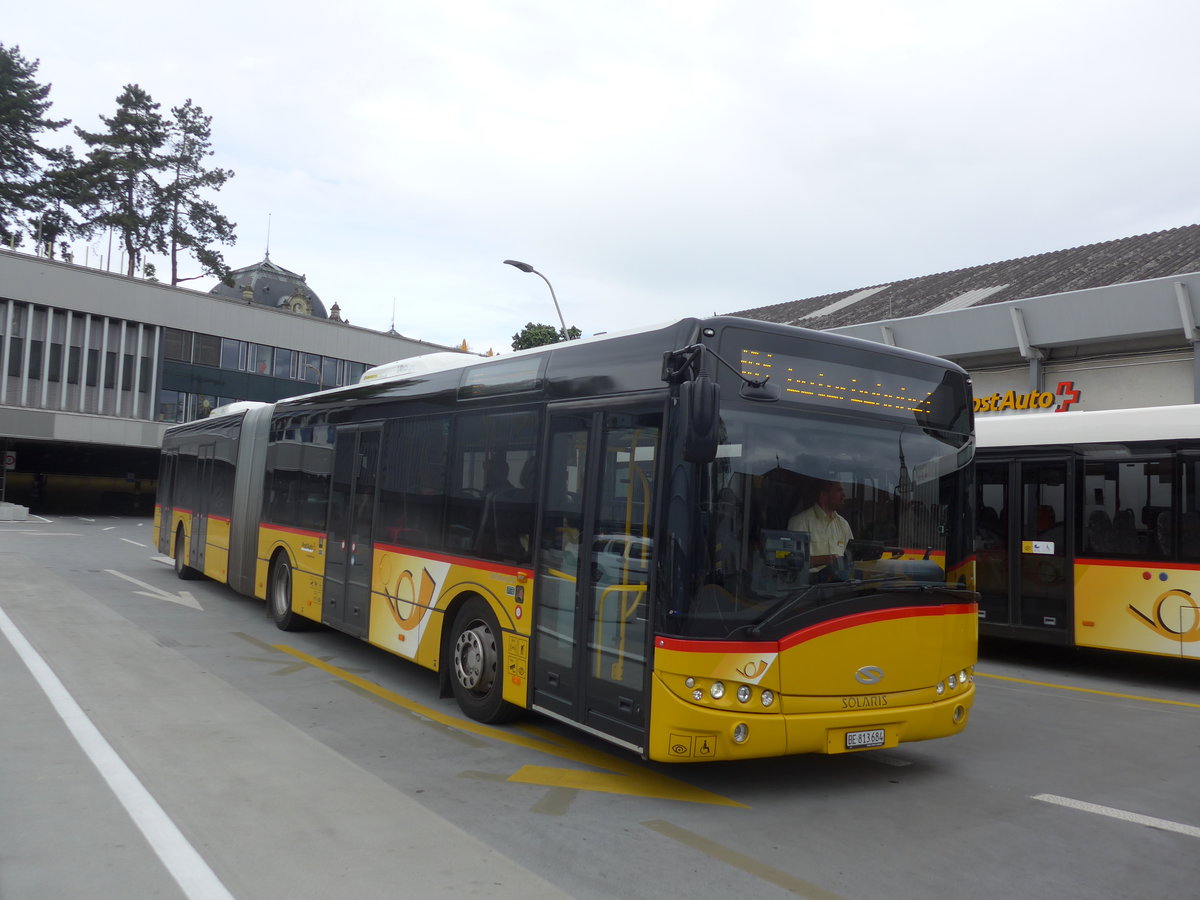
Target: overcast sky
x=654, y=160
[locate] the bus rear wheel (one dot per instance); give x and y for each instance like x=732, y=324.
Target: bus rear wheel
x=478, y=657
x=182, y=569
x=279, y=596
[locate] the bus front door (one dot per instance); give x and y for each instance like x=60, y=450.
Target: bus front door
x=1023, y=547
x=591, y=635
x=346, y=602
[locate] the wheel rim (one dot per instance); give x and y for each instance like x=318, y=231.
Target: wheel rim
x=281, y=595
x=475, y=658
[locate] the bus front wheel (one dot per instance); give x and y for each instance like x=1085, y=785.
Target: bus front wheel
x=478, y=656
x=182, y=569
x=279, y=597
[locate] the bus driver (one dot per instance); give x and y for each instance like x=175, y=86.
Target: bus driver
x=828, y=532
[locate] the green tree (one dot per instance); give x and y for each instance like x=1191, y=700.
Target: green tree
x=194, y=223
x=539, y=335
x=24, y=105
x=64, y=189
x=120, y=172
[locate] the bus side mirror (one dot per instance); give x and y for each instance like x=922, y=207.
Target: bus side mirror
x=700, y=402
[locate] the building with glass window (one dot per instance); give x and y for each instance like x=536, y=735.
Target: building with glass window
x=94, y=367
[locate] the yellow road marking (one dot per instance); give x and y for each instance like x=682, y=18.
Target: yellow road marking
x=645, y=784
x=622, y=777
x=1067, y=687
x=741, y=861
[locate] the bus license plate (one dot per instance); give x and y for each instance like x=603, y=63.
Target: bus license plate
x=861, y=740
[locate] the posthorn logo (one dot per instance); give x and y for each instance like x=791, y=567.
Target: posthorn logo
x=869, y=675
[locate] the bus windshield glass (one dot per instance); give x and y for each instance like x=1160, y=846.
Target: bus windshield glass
x=793, y=518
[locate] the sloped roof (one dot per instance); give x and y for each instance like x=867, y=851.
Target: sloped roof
x=1156, y=255
x=271, y=284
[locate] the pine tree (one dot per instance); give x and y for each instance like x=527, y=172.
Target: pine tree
x=120, y=172
x=64, y=189
x=194, y=224
x=23, y=116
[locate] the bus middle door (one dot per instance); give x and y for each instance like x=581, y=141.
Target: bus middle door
x=346, y=603
x=1023, y=547
x=204, y=487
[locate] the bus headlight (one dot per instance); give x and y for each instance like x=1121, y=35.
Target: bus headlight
x=740, y=733
x=697, y=695
x=952, y=681
x=941, y=688
x=717, y=691
x=768, y=697
x=743, y=693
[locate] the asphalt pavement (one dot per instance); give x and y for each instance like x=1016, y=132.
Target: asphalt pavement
x=130, y=771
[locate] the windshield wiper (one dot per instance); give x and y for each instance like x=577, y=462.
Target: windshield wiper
x=788, y=604
x=838, y=589
x=927, y=587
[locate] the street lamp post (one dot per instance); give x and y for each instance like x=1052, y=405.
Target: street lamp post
x=320, y=375
x=526, y=267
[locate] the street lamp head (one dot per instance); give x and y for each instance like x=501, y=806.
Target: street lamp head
x=524, y=267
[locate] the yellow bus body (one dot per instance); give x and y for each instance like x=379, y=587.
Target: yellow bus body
x=1138, y=605
x=816, y=699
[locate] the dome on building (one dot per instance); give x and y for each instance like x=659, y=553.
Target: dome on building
x=268, y=284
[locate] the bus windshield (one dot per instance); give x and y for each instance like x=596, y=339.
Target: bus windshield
x=793, y=518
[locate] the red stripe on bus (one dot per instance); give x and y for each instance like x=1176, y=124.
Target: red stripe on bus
x=815, y=631
x=320, y=535
x=423, y=554
x=882, y=615
x=1137, y=563
x=499, y=568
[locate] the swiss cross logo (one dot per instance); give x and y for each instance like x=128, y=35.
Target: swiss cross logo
x=1066, y=390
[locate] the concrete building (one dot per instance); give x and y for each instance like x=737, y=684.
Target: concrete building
x=94, y=367
x=1104, y=326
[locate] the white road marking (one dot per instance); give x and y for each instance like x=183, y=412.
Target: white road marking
x=1123, y=815
x=135, y=543
x=185, y=865
x=183, y=598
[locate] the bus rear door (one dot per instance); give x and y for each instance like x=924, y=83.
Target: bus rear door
x=204, y=487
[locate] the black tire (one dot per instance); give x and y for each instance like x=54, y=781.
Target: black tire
x=182, y=569
x=279, y=596
x=477, y=664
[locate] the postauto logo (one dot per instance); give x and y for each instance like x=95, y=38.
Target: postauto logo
x=1066, y=394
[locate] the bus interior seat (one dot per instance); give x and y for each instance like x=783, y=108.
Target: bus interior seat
x=1162, y=532
x=1189, y=534
x=506, y=519
x=1045, y=518
x=1101, y=535
x=1125, y=531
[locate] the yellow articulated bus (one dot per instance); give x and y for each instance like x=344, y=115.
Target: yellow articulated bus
x=1089, y=528
x=719, y=539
